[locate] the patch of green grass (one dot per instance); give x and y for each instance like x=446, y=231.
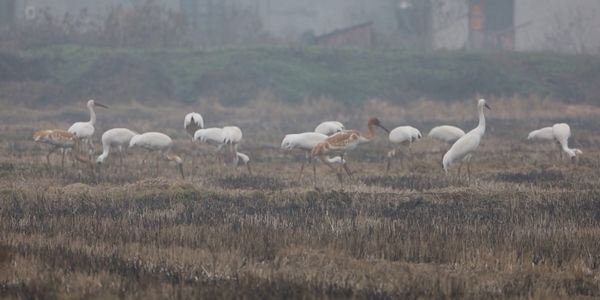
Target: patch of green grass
x=292, y=74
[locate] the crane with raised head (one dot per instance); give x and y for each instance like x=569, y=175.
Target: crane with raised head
x=463, y=148
x=85, y=130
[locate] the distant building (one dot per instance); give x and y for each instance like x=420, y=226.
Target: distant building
x=360, y=35
x=569, y=26
x=521, y=25
x=23, y=11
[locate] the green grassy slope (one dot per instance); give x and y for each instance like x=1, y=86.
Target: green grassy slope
x=292, y=74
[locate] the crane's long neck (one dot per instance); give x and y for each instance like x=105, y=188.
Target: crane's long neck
x=481, y=126
x=370, y=134
x=92, y=115
x=105, y=152
x=564, y=145
x=172, y=157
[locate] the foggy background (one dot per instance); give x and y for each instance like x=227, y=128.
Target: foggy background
x=521, y=25
x=233, y=51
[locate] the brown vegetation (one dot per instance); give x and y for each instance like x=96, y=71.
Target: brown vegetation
x=528, y=226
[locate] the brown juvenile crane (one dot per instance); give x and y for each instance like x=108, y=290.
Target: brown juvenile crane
x=59, y=139
x=342, y=142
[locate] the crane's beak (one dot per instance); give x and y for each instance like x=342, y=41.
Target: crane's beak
x=100, y=104
x=381, y=126
x=488, y=107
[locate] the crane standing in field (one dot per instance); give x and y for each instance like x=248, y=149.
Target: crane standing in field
x=463, y=148
x=562, y=133
x=192, y=122
x=243, y=158
x=546, y=134
x=160, y=142
x=59, y=139
x=306, y=141
x=232, y=136
x=212, y=136
x=220, y=137
x=115, y=138
x=401, y=135
x=85, y=130
x=342, y=142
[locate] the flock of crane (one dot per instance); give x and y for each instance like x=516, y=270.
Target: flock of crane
x=328, y=139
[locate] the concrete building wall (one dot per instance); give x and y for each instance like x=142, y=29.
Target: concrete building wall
x=539, y=25
x=450, y=24
x=557, y=25
x=288, y=19
x=95, y=9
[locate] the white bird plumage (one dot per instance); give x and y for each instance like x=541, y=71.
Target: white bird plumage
x=115, y=138
x=329, y=127
x=245, y=159
x=85, y=130
x=463, y=148
x=404, y=134
x=562, y=133
x=156, y=141
x=446, y=133
x=192, y=122
x=232, y=135
x=401, y=135
x=220, y=137
x=306, y=141
x=212, y=136
x=546, y=134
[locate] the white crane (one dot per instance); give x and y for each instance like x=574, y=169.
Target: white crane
x=219, y=137
x=402, y=135
x=232, y=136
x=329, y=127
x=562, y=133
x=306, y=141
x=212, y=136
x=545, y=134
x=463, y=148
x=85, y=130
x=115, y=138
x=192, y=122
x=245, y=159
x=542, y=134
x=446, y=133
x=160, y=142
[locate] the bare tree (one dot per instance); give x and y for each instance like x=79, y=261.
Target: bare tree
x=573, y=32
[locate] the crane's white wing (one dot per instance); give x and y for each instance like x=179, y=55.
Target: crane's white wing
x=82, y=129
x=546, y=133
x=193, y=118
x=400, y=135
x=446, y=133
x=329, y=127
x=463, y=146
